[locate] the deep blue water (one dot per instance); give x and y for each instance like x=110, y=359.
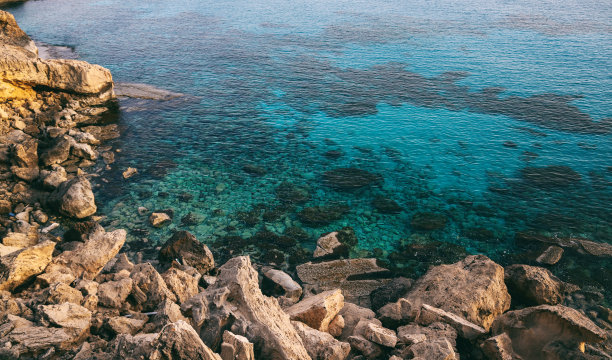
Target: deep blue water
x=459, y=107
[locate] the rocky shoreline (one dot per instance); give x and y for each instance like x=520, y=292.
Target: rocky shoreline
x=81, y=295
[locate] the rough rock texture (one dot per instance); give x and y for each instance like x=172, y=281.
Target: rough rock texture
x=159, y=219
x=151, y=283
x=182, y=284
x=499, y=348
x=367, y=348
x=533, y=328
x=439, y=349
x=319, y=310
x=357, y=278
x=534, y=285
x=236, y=347
x=329, y=246
x=351, y=315
x=277, y=280
x=114, y=293
x=380, y=335
x=88, y=258
x=239, y=304
x=551, y=255
x=19, y=266
x=473, y=288
x=179, y=341
x=185, y=247
x=464, y=328
x=321, y=345
x=74, y=198
x=66, y=315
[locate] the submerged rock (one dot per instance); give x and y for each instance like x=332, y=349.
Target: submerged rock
x=428, y=221
x=552, y=176
x=349, y=179
x=289, y=193
x=386, y=206
x=322, y=215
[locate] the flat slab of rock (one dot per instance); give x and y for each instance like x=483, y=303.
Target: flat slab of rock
x=292, y=291
x=380, y=335
x=440, y=349
x=66, y=315
x=19, y=266
x=321, y=345
x=533, y=328
x=473, y=288
x=466, y=329
x=88, y=258
x=551, y=255
x=357, y=278
x=236, y=294
x=319, y=310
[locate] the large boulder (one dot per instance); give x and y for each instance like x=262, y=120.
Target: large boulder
x=237, y=302
x=185, y=247
x=357, y=278
x=74, y=198
x=534, y=285
x=473, y=288
x=19, y=266
x=87, y=259
x=534, y=328
x=179, y=341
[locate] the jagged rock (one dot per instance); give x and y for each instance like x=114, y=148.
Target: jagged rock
x=412, y=333
x=329, y=246
x=534, y=285
x=125, y=325
x=60, y=293
x=351, y=315
x=129, y=172
x=196, y=308
x=380, y=335
x=5, y=250
x=260, y=319
x=40, y=216
x=58, y=153
x=113, y=294
x=88, y=258
x=464, y=328
x=183, y=285
x=357, y=278
x=499, y=348
x=121, y=263
x=47, y=279
x=19, y=266
x=74, y=198
x=369, y=349
x=147, y=279
x=473, y=288
x=317, y=311
x=83, y=151
x=66, y=315
x=179, y=341
x=90, y=302
x=551, y=255
x=531, y=329
x=19, y=240
x=184, y=246
x=54, y=178
x=336, y=326
x=166, y=313
x=321, y=345
x=595, y=248
x=398, y=313
x=128, y=347
x=439, y=349
x=277, y=279
x=159, y=219
x=236, y=347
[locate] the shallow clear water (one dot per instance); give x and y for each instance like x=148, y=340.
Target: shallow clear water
x=457, y=105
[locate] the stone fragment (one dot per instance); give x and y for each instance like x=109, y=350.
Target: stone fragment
x=159, y=219
x=31, y=341
x=499, y=348
x=329, y=246
x=66, y=315
x=236, y=297
x=464, y=328
x=473, y=288
x=74, y=198
x=369, y=349
x=58, y=153
x=277, y=279
x=137, y=347
x=317, y=311
x=84, y=151
x=321, y=345
x=54, y=178
x=398, y=313
x=129, y=172
x=380, y=335
x=166, y=313
x=352, y=314
x=88, y=258
x=125, y=325
x=415, y=333
x=336, y=326
x=533, y=328
x=534, y=285
x=179, y=341
x=59, y=293
x=113, y=294
x=236, y=347
x=596, y=248
x=551, y=255
x=439, y=349
x=357, y=278
x=19, y=266
x=19, y=240
x=185, y=247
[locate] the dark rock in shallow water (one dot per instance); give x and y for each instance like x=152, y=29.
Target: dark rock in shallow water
x=322, y=215
x=390, y=292
x=510, y=144
x=185, y=197
x=160, y=169
x=273, y=257
x=254, y=170
x=249, y=218
x=273, y=214
x=428, y=221
x=333, y=154
x=414, y=259
x=296, y=233
x=480, y=234
x=552, y=176
x=386, y=206
x=290, y=193
x=190, y=219
x=265, y=237
x=348, y=179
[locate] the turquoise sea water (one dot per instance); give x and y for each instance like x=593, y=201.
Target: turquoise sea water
x=494, y=116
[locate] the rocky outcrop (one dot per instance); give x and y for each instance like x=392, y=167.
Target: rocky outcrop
x=532, y=329
x=74, y=198
x=240, y=305
x=473, y=288
x=21, y=265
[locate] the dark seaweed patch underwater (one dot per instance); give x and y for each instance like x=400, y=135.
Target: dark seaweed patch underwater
x=432, y=129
